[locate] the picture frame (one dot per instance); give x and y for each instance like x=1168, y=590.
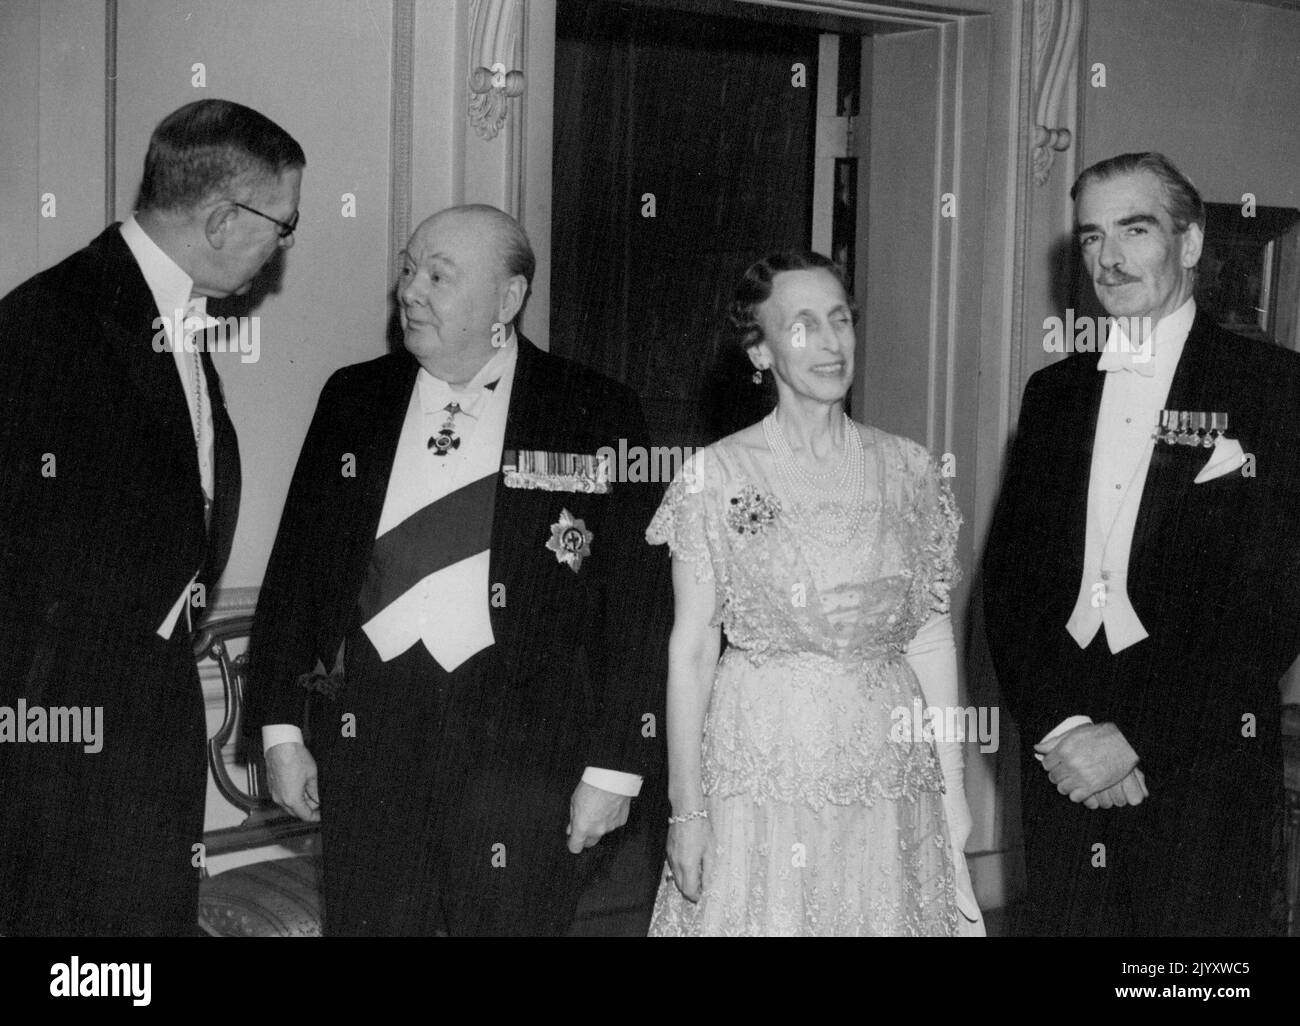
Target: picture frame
x=1248, y=277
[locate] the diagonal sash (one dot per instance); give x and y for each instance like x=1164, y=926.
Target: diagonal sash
x=451, y=529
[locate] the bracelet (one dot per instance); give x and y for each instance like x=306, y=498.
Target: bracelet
x=697, y=814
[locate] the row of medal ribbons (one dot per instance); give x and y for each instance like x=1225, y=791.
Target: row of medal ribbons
x=1191, y=427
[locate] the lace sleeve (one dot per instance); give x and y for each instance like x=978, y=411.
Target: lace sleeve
x=681, y=522
x=938, y=522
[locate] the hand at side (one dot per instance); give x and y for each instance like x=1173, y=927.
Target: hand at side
x=291, y=773
x=690, y=856
x=593, y=813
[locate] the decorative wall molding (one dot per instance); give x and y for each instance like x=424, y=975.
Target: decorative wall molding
x=1050, y=34
x=495, y=58
x=110, y=112
x=898, y=14
x=1057, y=24
x=401, y=126
x=1020, y=210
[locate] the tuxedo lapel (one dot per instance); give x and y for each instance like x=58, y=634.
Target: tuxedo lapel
x=128, y=324
x=527, y=397
x=1079, y=422
x=1197, y=381
x=374, y=440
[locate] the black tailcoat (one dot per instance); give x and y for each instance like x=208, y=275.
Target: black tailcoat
x=1214, y=575
x=101, y=527
x=447, y=809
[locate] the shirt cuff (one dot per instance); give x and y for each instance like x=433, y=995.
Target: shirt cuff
x=626, y=784
x=1069, y=723
x=280, y=733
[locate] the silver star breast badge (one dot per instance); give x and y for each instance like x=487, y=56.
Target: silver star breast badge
x=570, y=540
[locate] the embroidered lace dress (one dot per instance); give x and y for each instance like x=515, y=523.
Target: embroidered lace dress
x=822, y=823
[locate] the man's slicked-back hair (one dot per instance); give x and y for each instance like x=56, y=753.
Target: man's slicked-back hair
x=1182, y=200
x=755, y=289
x=513, y=247
x=212, y=146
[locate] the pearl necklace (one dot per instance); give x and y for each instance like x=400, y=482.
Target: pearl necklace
x=851, y=478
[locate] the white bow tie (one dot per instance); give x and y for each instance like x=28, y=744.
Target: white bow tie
x=1120, y=354
x=439, y=395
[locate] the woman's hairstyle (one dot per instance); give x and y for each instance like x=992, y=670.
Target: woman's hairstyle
x=209, y=146
x=755, y=289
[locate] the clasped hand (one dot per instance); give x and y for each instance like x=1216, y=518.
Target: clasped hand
x=1094, y=764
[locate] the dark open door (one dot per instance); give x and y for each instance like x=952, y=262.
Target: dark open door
x=683, y=152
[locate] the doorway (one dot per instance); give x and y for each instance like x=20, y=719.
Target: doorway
x=643, y=299
x=684, y=150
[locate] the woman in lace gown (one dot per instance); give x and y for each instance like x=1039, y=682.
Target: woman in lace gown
x=803, y=801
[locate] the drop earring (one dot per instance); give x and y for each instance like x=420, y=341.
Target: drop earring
x=757, y=377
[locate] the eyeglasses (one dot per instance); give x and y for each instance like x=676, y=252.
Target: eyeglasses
x=286, y=228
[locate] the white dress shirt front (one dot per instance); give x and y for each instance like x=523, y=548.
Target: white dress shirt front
x=418, y=478
x=449, y=610
x=1121, y=456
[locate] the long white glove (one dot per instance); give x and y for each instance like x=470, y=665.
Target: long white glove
x=933, y=658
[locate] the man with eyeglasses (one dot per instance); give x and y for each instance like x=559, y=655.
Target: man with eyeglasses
x=119, y=491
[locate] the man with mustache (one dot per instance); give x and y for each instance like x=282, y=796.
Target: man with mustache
x=119, y=491
x=1142, y=589
x=499, y=613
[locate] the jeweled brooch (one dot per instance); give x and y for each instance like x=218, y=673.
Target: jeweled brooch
x=751, y=510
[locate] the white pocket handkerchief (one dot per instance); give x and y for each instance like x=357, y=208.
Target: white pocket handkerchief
x=1226, y=458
